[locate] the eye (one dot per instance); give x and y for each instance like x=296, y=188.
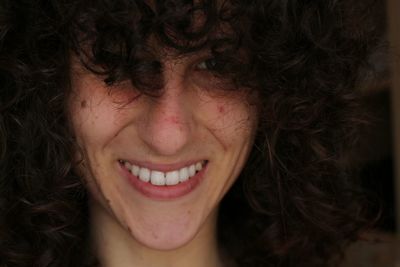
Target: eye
x=209, y=64
x=209, y=74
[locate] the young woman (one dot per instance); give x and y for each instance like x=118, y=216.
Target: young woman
x=178, y=133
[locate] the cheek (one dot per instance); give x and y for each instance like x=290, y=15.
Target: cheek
x=96, y=119
x=232, y=119
x=95, y=108
x=93, y=126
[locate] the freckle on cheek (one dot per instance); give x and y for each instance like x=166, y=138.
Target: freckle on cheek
x=83, y=104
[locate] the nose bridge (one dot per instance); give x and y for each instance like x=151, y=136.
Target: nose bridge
x=167, y=126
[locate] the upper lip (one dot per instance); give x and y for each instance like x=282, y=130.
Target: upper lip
x=163, y=167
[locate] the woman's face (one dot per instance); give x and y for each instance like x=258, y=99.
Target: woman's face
x=160, y=166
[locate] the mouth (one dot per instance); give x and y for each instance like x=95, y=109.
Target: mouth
x=164, y=178
x=164, y=182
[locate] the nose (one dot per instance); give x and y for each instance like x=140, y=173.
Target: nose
x=167, y=123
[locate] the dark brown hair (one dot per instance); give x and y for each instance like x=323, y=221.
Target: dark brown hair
x=293, y=205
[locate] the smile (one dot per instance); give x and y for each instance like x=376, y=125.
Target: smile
x=160, y=178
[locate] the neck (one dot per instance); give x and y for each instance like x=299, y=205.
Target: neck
x=116, y=247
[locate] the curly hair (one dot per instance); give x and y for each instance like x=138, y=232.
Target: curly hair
x=293, y=204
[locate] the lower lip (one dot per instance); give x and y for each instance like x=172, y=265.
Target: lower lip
x=167, y=192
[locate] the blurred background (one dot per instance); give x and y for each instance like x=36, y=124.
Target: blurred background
x=378, y=157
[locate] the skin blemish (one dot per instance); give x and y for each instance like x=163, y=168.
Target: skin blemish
x=221, y=109
x=83, y=104
x=174, y=119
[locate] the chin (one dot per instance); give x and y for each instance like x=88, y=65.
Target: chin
x=165, y=238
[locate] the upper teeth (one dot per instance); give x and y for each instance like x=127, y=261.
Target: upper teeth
x=164, y=178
